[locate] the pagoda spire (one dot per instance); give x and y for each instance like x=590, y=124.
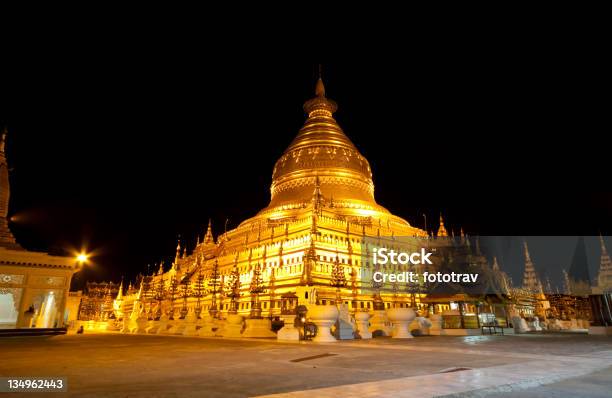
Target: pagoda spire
x=442, y=229
x=139, y=295
x=604, y=251
x=177, y=256
x=495, y=266
x=320, y=105
x=7, y=239
x=208, y=238
x=320, y=88
x=548, y=285
x=178, y=250
x=526, y=252
x=120, y=291
x=604, y=277
x=567, y=288
x=530, y=278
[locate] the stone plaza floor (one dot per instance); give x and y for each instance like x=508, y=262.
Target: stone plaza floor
x=116, y=365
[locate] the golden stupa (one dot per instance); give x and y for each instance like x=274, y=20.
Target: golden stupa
x=322, y=154
x=310, y=238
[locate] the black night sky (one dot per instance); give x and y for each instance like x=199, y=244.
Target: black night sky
x=123, y=146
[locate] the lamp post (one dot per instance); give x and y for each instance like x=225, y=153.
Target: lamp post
x=82, y=258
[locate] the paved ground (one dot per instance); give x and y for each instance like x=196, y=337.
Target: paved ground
x=594, y=385
x=165, y=366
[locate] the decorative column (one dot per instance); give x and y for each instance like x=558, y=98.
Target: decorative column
x=338, y=279
x=233, y=287
x=198, y=292
x=185, y=294
x=256, y=326
x=213, y=284
x=234, y=324
x=256, y=289
x=172, y=293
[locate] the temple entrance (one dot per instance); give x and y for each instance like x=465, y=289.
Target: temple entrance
x=47, y=311
x=9, y=304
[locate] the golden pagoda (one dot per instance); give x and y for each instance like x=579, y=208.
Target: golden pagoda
x=321, y=213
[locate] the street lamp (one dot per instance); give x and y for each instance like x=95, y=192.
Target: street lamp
x=82, y=258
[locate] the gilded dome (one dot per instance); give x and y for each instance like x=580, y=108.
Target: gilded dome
x=322, y=151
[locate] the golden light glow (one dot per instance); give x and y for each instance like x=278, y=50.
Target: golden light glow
x=364, y=212
x=82, y=258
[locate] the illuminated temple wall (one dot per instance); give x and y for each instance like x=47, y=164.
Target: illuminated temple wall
x=284, y=254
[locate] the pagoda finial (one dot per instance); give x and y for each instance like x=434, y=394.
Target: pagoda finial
x=208, y=238
x=442, y=230
x=320, y=105
x=320, y=87
x=178, y=251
